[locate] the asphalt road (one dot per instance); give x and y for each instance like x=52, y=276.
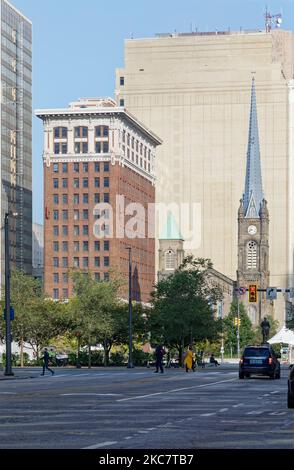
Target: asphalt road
x=137, y=409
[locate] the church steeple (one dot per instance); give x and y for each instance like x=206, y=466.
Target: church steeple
x=253, y=195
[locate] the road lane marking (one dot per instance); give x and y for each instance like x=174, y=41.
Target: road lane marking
x=255, y=412
x=278, y=413
x=101, y=444
x=239, y=404
x=176, y=390
x=207, y=414
x=89, y=394
x=8, y=393
x=222, y=410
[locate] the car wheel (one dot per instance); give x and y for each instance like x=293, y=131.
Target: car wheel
x=241, y=375
x=290, y=401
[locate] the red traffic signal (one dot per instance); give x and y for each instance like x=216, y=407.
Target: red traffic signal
x=252, y=293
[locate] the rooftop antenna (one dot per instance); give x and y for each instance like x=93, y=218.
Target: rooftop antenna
x=272, y=20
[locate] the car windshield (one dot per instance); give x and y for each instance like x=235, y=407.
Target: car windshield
x=260, y=352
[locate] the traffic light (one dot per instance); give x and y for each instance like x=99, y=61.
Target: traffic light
x=252, y=293
x=237, y=321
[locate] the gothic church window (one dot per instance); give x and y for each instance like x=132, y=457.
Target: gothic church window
x=169, y=260
x=251, y=255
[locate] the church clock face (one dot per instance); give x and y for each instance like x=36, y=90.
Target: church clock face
x=252, y=230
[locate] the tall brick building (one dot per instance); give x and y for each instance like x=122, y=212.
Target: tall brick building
x=98, y=161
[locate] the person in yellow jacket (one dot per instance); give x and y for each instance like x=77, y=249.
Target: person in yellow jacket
x=189, y=360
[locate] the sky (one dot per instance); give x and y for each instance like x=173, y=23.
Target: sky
x=77, y=45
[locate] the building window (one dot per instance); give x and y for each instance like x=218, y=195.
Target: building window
x=76, y=230
x=65, y=262
x=55, y=167
x=106, y=245
x=76, y=183
x=121, y=81
x=64, y=199
x=97, y=167
x=76, y=247
x=65, y=246
x=97, y=261
x=106, y=260
x=96, y=245
x=65, y=293
x=106, y=277
x=251, y=255
x=105, y=147
x=97, y=276
x=106, y=166
x=101, y=131
x=85, y=167
x=64, y=215
x=55, y=278
x=85, y=198
x=81, y=132
x=85, y=214
x=97, y=182
x=76, y=214
x=55, y=230
x=60, y=132
x=64, y=168
x=65, y=278
x=76, y=198
x=85, y=246
x=85, y=183
x=55, y=183
x=56, y=262
x=106, y=197
x=60, y=147
x=85, y=229
x=98, y=147
x=97, y=198
x=64, y=182
x=55, y=199
x=55, y=294
x=85, y=262
x=55, y=215
x=121, y=102
x=169, y=260
x=76, y=168
x=106, y=182
x=65, y=230
x=76, y=262
x=55, y=246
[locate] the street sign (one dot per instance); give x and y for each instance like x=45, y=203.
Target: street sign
x=271, y=293
x=240, y=290
x=11, y=314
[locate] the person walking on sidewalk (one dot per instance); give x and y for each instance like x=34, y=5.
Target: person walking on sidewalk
x=189, y=360
x=159, y=353
x=46, y=362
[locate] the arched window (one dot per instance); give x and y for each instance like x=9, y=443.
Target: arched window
x=170, y=261
x=251, y=255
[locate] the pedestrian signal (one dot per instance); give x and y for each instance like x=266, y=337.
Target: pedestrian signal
x=237, y=321
x=252, y=293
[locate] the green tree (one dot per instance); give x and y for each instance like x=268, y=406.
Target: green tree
x=183, y=306
x=247, y=335
x=90, y=308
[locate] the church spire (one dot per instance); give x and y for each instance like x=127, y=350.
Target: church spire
x=253, y=195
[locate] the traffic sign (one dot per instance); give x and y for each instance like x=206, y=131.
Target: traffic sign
x=271, y=293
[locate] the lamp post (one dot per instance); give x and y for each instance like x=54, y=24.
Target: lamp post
x=8, y=370
x=130, y=359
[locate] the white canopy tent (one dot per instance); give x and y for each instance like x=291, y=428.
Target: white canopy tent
x=285, y=336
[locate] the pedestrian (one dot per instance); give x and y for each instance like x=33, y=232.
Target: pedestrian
x=159, y=353
x=212, y=360
x=46, y=362
x=189, y=360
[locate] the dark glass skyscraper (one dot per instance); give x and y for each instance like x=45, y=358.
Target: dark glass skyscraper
x=16, y=134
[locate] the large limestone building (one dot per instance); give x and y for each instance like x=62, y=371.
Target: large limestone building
x=193, y=90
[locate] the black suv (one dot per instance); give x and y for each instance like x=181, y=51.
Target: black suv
x=259, y=360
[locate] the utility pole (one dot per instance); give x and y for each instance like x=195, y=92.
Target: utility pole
x=130, y=359
x=8, y=370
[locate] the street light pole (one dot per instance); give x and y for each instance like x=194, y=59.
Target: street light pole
x=238, y=327
x=8, y=370
x=130, y=360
